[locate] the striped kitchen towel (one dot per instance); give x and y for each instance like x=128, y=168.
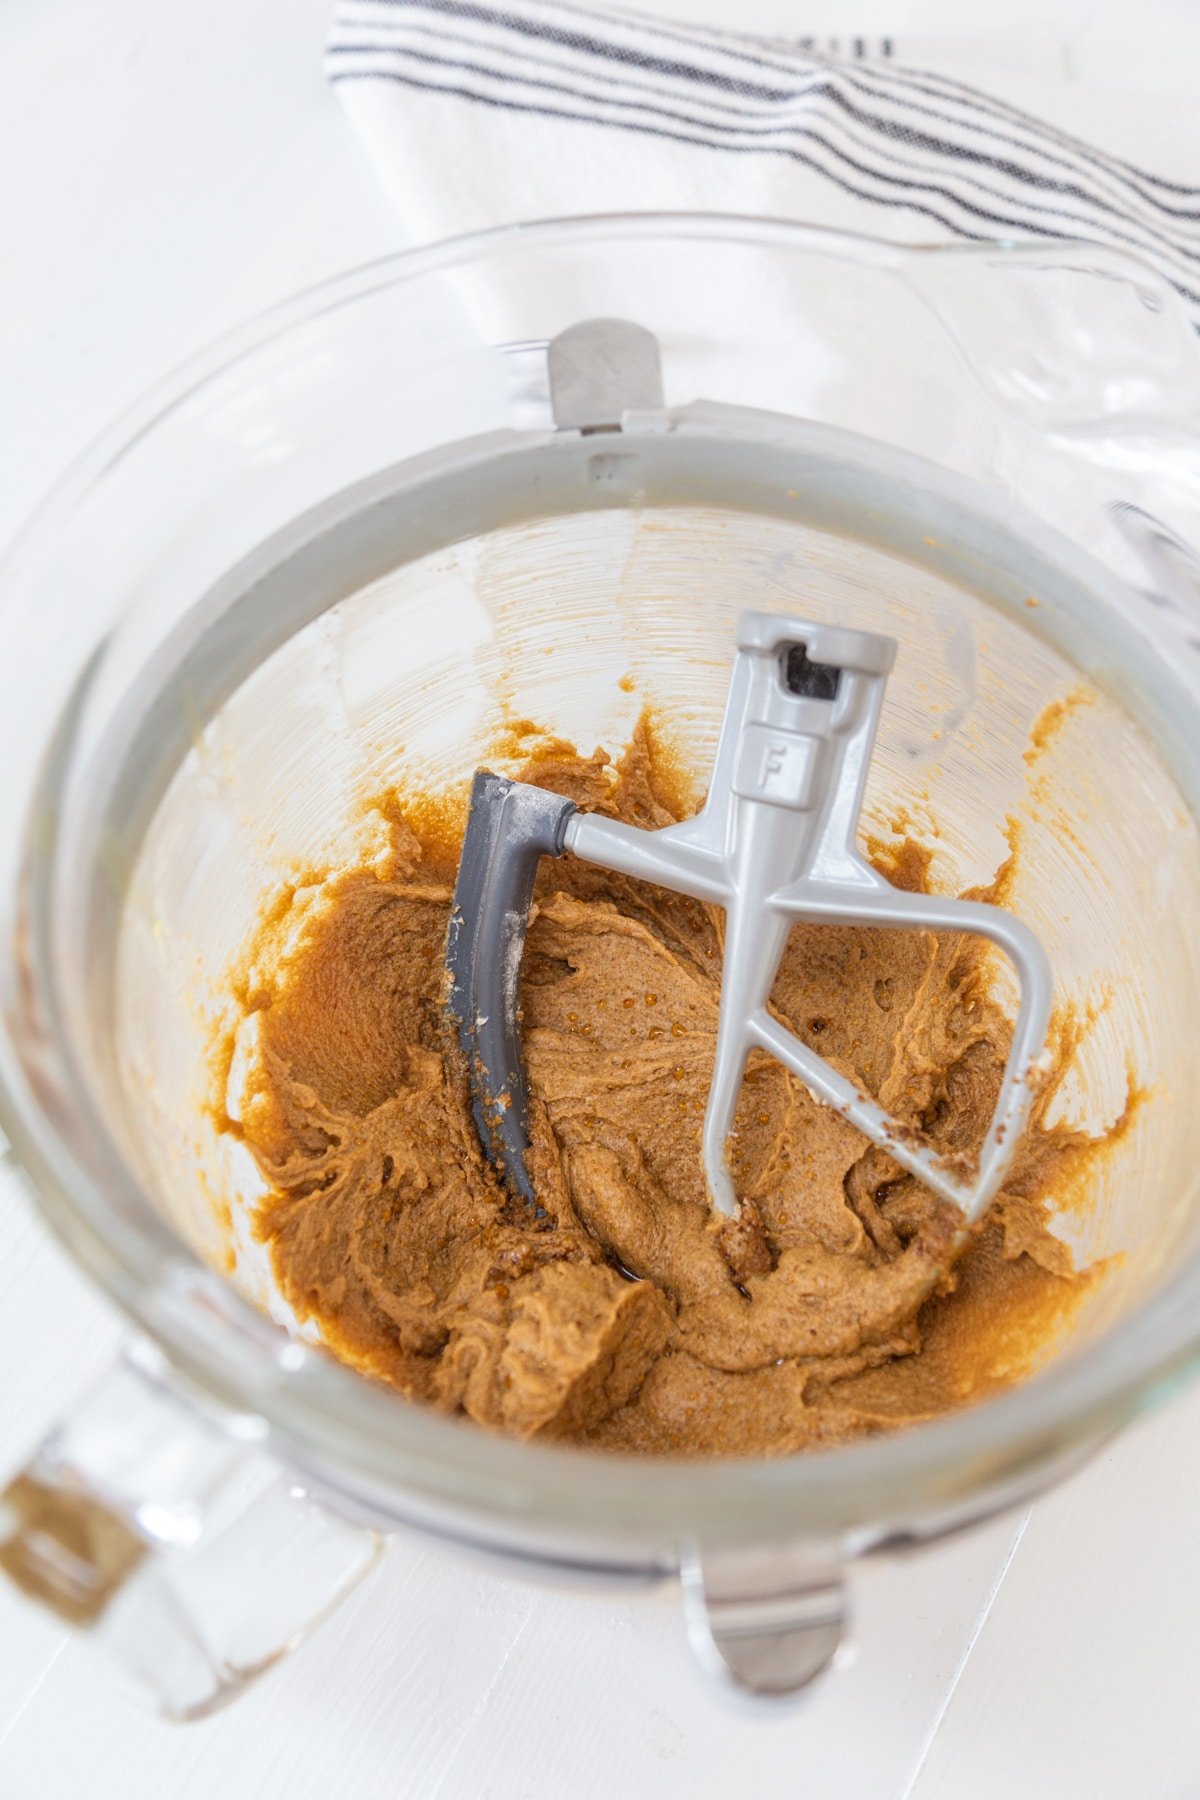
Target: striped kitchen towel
x=480, y=114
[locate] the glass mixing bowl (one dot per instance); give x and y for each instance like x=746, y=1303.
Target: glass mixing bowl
x=324, y=559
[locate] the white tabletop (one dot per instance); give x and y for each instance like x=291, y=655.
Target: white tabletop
x=169, y=170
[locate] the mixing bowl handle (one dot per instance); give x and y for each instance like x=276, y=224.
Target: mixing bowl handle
x=194, y=1560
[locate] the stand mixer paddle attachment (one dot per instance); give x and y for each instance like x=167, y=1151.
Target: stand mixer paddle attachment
x=775, y=843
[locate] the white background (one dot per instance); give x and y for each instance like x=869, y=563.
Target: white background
x=164, y=171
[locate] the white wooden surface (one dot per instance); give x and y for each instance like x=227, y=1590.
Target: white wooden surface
x=165, y=171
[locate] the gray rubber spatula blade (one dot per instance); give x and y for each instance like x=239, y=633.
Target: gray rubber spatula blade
x=510, y=827
x=775, y=843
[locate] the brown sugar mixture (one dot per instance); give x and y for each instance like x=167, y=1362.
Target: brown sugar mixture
x=622, y=1313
